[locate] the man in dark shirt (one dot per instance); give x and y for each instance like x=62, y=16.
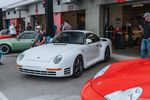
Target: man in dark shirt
x=145, y=45
x=29, y=27
x=40, y=38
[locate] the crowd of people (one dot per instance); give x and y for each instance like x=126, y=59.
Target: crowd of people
x=142, y=31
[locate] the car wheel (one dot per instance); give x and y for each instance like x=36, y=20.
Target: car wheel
x=5, y=49
x=107, y=54
x=78, y=67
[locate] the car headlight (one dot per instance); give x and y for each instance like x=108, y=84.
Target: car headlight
x=57, y=59
x=101, y=72
x=130, y=94
x=21, y=56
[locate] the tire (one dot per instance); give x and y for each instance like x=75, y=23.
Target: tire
x=78, y=67
x=107, y=54
x=5, y=49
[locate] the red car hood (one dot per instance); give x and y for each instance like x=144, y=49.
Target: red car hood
x=124, y=75
x=6, y=36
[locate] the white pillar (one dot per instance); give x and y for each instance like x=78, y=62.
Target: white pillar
x=93, y=17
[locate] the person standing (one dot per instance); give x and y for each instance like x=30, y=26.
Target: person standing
x=55, y=29
x=12, y=30
x=1, y=57
x=66, y=26
x=145, y=45
x=29, y=27
x=110, y=32
x=129, y=30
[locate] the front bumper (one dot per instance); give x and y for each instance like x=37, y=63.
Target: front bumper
x=88, y=93
x=39, y=71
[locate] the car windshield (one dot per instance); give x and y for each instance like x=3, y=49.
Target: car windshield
x=69, y=38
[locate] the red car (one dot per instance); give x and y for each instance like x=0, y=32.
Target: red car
x=127, y=80
x=6, y=34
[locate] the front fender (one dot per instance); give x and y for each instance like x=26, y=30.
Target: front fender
x=69, y=58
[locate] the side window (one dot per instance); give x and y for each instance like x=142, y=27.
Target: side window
x=27, y=36
x=92, y=37
x=32, y=36
x=23, y=36
x=96, y=38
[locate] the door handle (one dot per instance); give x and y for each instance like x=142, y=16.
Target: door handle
x=98, y=45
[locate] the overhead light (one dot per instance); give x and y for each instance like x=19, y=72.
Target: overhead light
x=138, y=5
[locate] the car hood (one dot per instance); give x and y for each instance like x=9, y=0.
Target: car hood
x=6, y=36
x=124, y=75
x=47, y=52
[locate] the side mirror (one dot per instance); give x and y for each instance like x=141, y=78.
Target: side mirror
x=88, y=41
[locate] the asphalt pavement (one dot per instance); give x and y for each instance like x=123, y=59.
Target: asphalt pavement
x=16, y=86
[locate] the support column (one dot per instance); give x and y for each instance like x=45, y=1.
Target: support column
x=1, y=19
x=93, y=18
x=49, y=17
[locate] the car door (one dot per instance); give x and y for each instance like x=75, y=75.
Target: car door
x=97, y=41
x=24, y=41
x=92, y=49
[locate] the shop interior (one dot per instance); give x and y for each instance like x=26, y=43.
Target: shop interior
x=125, y=21
x=78, y=17
x=134, y=14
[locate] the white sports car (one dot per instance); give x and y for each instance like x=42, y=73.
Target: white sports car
x=69, y=53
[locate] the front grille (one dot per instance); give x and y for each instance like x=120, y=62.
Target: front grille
x=67, y=71
x=37, y=72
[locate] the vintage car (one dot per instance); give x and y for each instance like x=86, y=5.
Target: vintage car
x=6, y=34
x=69, y=53
x=20, y=43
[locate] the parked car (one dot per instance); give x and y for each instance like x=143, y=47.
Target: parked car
x=20, y=43
x=69, y=53
x=137, y=36
x=6, y=34
x=126, y=80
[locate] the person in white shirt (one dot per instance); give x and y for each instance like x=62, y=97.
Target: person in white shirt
x=12, y=30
